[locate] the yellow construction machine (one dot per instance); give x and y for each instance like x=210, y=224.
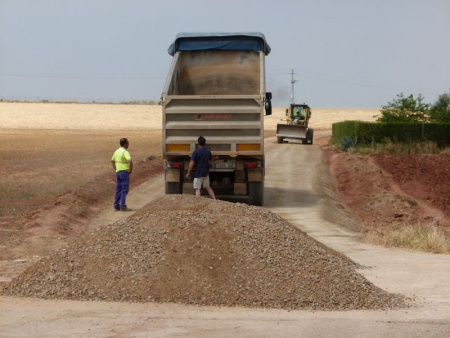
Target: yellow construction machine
x=296, y=126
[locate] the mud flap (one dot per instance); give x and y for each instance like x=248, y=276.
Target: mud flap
x=256, y=193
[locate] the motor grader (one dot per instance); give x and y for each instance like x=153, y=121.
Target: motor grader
x=296, y=127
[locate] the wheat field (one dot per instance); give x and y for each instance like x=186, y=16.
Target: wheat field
x=76, y=116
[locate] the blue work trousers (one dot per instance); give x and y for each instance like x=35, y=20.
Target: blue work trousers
x=122, y=187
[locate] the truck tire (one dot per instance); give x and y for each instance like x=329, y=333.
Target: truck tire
x=311, y=136
x=173, y=188
x=280, y=139
x=255, y=193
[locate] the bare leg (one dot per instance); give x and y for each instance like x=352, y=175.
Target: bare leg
x=198, y=192
x=211, y=193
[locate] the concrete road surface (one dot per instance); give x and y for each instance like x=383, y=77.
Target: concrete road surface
x=296, y=188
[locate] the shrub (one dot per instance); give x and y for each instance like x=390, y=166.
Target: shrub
x=347, y=142
x=368, y=133
x=440, y=110
x=405, y=109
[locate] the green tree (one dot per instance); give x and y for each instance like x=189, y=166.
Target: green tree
x=405, y=109
x=440, y=110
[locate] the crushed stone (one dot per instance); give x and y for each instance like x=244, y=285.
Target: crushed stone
x=187, y=250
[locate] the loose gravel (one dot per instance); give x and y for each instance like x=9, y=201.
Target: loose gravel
x=188, y=250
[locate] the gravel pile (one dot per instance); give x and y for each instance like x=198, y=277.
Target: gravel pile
x=189, y=250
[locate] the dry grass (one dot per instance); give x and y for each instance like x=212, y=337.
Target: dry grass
x=408, y=148
x=426, y=238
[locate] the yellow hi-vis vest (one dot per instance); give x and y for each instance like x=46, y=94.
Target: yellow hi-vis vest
x=122, y=159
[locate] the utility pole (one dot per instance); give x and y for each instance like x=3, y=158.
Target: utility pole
x=292, y=86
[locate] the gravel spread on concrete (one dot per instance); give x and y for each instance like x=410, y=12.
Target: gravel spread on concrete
x=188, y=250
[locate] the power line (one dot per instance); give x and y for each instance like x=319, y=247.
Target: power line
x=81, y=76
x=312, y=76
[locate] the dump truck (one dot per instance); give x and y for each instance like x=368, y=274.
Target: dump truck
x=215, y=88
x=296, y=126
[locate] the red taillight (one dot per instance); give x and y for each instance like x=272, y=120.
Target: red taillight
x=250, y=164
x=175, y=165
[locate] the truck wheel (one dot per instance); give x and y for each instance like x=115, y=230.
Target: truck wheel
x=173, y=188
x=255, y=193
x=280, y=139
x=311, y=136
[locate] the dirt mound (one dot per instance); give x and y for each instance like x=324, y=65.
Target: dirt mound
x=424, y=177
x=393, y=190
x=190, y=250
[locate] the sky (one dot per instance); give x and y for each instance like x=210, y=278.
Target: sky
x=340, y=53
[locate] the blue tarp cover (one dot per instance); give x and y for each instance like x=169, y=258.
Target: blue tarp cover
x=219, y=41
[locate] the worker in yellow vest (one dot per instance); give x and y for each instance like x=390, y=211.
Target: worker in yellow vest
x=123, y=165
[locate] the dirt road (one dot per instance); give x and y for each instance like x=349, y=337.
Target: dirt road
x=308, y=204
